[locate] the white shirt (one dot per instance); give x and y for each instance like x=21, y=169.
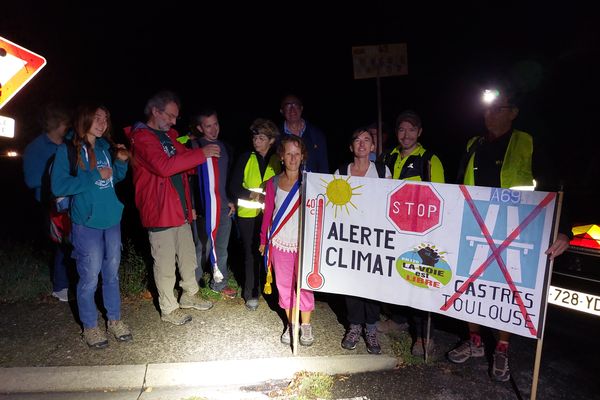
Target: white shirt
x=287, y=237
x=371, y=172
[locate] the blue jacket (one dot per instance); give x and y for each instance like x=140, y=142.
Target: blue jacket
x=316, y=147
x=35, y=162
x=94, y=203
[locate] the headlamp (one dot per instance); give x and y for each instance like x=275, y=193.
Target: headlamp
x=489, y=96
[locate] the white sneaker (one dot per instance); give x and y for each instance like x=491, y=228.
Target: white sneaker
x=61, y=295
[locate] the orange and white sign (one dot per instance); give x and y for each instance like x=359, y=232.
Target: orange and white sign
x=17, y=66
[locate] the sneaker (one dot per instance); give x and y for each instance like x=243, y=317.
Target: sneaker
x=95, y=338
x=120, y=330
x=418, y=348
x=388, y=326
x=351, y=337
x=371, y=341
x=194, y=301
x=61, y=295
x=464, y=351
x=252, y=304
x=500, y=370
x=176, y=317
x=306, y=336
x=286, y=336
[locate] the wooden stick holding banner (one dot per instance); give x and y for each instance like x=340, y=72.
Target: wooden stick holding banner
x=540, y=340
x=296, y=316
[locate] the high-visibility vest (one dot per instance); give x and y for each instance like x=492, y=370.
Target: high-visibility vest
x=516, y=167
x=419, y=165
x=254, y=182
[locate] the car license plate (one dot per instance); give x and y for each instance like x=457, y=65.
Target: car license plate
x=575, y=300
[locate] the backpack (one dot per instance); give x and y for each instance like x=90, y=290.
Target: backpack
x=378, y=165
x=63, y=204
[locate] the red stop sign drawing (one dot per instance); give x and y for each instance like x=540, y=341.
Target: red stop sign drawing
x=415, y=208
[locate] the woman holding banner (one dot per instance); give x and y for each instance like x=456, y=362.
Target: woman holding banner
x=279, y=237
x=361, y=311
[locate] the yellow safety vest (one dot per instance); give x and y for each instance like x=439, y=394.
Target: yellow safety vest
x=516, y=167
x=254, y=182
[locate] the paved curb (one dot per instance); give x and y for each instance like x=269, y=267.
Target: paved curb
x=211, y=373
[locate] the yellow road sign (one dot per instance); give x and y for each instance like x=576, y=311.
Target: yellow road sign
x=17, y=66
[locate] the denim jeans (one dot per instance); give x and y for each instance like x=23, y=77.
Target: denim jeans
x=60, y=269
x=97, y=251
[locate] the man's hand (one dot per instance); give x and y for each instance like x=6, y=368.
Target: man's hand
x=559, y=246
x=212, y=150
x=261, y=249
x=231, y=209
x=194, y=215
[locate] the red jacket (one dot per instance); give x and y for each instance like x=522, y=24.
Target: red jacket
x=155, y=196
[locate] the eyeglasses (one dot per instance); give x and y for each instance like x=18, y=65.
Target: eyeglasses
x=497, y=109
x=171, y=116
x=290, y=105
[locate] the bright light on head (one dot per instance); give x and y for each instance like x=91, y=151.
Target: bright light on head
x=490, y=95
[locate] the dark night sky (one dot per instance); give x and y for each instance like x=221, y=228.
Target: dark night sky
x=240, y=58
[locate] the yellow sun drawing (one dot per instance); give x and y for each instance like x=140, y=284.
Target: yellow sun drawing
x=339, y=194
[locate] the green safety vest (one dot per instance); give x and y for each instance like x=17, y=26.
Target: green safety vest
x=253, y=181
x=516, y=167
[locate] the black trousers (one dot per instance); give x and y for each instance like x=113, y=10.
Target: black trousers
x=362, y=311
x=253, y=266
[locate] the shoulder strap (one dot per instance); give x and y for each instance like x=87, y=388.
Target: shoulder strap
x=344, y=169
x=425, y=167
x=72, y=156
x=380, y=169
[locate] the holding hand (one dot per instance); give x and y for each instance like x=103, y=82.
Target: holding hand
x=105, y=173
x=212, y=150
x=122, y=152
x=559, y=246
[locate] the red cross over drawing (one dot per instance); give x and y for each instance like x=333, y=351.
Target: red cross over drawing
x=496, y=253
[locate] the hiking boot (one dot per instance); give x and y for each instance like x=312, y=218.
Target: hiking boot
x=371, y=341
x=252, y=304
x=95, y=338
x=61, y=295
x=120, y=330
x=176, y=317
x=389, y=326
x=351, y=337
x=286, y=336
x=464, y=351
x=420, y=345
x=306, y=335
x=194, y=301
x=500, y=370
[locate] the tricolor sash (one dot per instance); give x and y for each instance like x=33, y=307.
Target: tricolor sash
x=284, y=213
x=208, y=173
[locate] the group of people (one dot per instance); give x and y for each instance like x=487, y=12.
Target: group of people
x=188, y=187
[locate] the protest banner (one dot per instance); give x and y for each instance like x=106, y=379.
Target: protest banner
x=467, y=252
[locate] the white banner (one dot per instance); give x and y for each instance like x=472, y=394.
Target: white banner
x=467, y=252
